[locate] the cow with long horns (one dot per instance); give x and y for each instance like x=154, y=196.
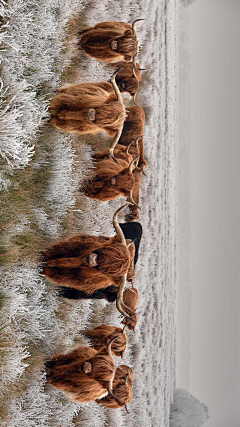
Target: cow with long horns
x=112, y=176
x=88, y=263
x=128, y=77
x=133, y=133
x=83, y=374
x=111, y=41
x=89, y=108
x=101, y=336
x=121, y=392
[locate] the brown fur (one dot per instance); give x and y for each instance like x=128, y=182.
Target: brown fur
x=65, y=373
x=123, y=392
x=130, y=299
x=125, y=78
x=101, y=335
x=96, y=41
x=134, y=128
x=133, y=215
x=99, y=185
x=67, y=262
x=69, y=109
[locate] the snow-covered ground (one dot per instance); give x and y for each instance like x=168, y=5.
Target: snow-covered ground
x=41, y=170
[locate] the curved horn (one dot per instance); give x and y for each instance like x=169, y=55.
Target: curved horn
x=119, y=131
x=130, y=243
x=132, y=201
x=129, y=145
x=135, y=94
x=138, y=140
x=126, y=408
x=110, y=345
x=119, y=300
x=132, y=163
x=114, y=143
x=116, y=88
x=117, y=226
x=134, y=25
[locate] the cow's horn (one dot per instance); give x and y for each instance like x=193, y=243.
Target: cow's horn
x=135, y=94
x=116, y=88
x=114, y=143
x=130, y=243
x=117, y=226
x=110, y=345
x=132, y=163
x=119, y=131
x=138, y=140
x=126, y=408
x=134, y=25
x=132, y=201
x=129, y=145
x=119, y=301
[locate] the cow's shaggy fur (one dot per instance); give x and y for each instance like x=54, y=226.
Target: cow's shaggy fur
x=70, y=109
x=101, y=336
x=122, y=389
x=67, y=262
x=97, y=41
x=66, y=372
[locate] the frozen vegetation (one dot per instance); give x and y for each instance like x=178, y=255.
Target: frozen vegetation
x=187, y=411
x=41, y=170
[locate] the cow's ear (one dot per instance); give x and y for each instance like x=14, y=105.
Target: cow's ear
x=128, y=33
x=127, y=58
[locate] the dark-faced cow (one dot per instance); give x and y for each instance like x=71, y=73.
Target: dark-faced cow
x=110, y=41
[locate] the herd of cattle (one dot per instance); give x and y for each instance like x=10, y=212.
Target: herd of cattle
x=96, y=267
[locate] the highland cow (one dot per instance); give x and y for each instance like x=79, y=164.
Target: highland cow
x=111, y=178
x=89, y=108
x=133, y=130
x=128, y=77
x=83, y=374
x=111, y=41
x=101, y=336
x=88, y=263
x=130, y=297
x=121, y=392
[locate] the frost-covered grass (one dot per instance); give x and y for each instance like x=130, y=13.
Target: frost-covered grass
x=41, y=170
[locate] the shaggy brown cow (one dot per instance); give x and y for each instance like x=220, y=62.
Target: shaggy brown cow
x=83, y=374
x=89, y=108
x=110, y=41
x=121, y=390
x=128, y=77
x=130, y=299
x=110, y=180
x=89, y=263
x=132, y=131
x=103, y=334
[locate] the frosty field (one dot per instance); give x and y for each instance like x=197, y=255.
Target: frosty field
x=41, y=170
